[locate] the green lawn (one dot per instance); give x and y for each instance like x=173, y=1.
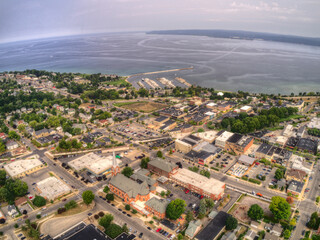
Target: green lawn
x=118, y=82
x=291, y=117
x=120, y=104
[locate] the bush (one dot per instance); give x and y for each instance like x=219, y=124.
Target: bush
x=254, y=181
x=134, y=211
x=96, y=216
x=70, y=205
x=61, y=210
x=38, y=216
x=39, y=201
x=101, y=214
x=127, y=207
x=113, y=230
x=110, y=197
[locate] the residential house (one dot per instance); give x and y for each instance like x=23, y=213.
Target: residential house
x=193, y=228
x=12, y=145
x=12, y=211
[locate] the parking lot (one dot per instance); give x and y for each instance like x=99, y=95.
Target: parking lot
x=262, y=171
x=135, y=131
x=225, y=161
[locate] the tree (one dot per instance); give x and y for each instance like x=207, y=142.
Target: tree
x=127, y=171
x=189, y=216
x=127, y=207
x=175, y=208
x=144, y=162
x=14, y=135
x=70, y=205
x=2, y=147
x=286, y=234
x=110, y=197
x=255, y=212
x=87, y=197
x=289, y=200
x=209, y=203
x=231, y=223
x=39, y=201
x=280, y=208
x=106, y=220
x=202, y=208
x=3, y=177
x=314, y=221
x=279, y=174
x=159, y=154
x=106, y=189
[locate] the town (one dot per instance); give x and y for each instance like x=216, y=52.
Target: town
x=89, y=156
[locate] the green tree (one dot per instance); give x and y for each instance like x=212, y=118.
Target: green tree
x=127, y=207
x=280, y=208
x=255, y=212
x=286, y=234
x=14, y=135
x=3, y=177
x=39, y=201
x=87, y=197
x=159, y=154
x=127, y=171
x=175, y=208
x=202, y=208
x=106, y=220
x=70, y=205
x=279, y=174
x=314, y=221
x=189, y=216
x=144, y=162
x=2, y=147
x=209, y=203
x=21, y=127
x=106, y=189
x=231, y=223
x=110, y=197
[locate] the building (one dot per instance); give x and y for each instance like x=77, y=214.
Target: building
x=157, y=207
x=246, y=160
x=246, y=109
x=207, y=187
x=162, y=167
x=298, y=105
x=269, y=236
x=222, y=139
x=214, y=227
x=287, y=130
x=193, y=228
x=264, y=151
x=200, y=157
x=12, y=211
x=42, y=133
x=314, y=123
x=296, y=174
x=186, y=144
x=208, y=136
x=52, y=188
x=238, y=143
x=295, y=188
x=95, y=164
x=12, y=145
x=22, y=167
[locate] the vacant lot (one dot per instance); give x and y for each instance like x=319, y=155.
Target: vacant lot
x=141, y=106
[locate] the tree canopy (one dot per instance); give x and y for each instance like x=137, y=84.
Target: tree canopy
x=87, y=197
x=127, y=171
x=280, y=208
x=175, y=208
x=231, y=223
x=39, y=201
x=255, y=212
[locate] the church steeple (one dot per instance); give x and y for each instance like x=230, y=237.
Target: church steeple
x=115, y=169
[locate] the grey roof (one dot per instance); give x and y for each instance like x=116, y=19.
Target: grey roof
x=160, y=205
x=295, y=186
x=246, y=159
x=140, y=178
x=129, y=186
x=162, y=164
x=192, y=227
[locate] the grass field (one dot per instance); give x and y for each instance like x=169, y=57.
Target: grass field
x=143, y=106
x=118, y=82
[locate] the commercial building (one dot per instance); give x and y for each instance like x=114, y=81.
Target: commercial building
x=94, y=163
x=246, y=160
x=246, y=109
x=208, y=187
x=222, y=139
x=52, y=188
x=186, y=144
x=295, y=188
x=162, y=167
x=157, y=207
x=238, y=143
x=208, y=136
x=22, y=167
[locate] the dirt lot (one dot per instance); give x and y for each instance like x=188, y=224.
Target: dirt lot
x=142, y=106
x=242, y=207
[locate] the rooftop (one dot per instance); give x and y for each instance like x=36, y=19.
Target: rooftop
x=162, y=164
x=160, y=205
x=52, y=188
x=209, y=185
x=18, y=167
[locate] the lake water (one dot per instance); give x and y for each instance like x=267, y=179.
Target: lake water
x=226, y=64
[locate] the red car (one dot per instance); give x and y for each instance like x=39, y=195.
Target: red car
x=187, y=191
x=158, y=230
x=201, y=196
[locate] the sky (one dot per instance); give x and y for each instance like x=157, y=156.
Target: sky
x=32, y=19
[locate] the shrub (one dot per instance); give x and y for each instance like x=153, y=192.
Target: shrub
x=134, y=211
x=96, y=216
x=127, y=207
x=101, y=214
x=39, y=201
x=254, y=181
x=71, y=204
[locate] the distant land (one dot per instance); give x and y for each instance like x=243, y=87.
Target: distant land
x=246, y=35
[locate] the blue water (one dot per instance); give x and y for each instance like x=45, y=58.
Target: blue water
x=227, y=64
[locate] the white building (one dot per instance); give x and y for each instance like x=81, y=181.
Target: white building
x=22, y=167
x=314, y=123
x=222, y=139
x=52, y=188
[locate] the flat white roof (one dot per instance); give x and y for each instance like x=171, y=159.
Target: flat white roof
x=209, y=113
x=245, y=108
x=18, y=167
x=208, y=135
x=52, y=188
x=208, y=185
x=93, y=162
x=224, y=136
x=211, y=104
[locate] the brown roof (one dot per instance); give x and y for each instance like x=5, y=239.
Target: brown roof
x=20, y=201
x=297, y=174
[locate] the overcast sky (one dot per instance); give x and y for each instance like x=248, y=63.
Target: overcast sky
x=25, y=19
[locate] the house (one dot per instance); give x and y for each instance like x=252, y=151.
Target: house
x=20, y=201
x=12, y=145
x=193, y=228
x=296, y=174
x=12, y=211
x=42, y=133
x=276, y=230
x=269, y=236
x=250, y=235
x=254, y=224
x=162, y=167
x=3, y=136
x=83, y=127
x=157, y=207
